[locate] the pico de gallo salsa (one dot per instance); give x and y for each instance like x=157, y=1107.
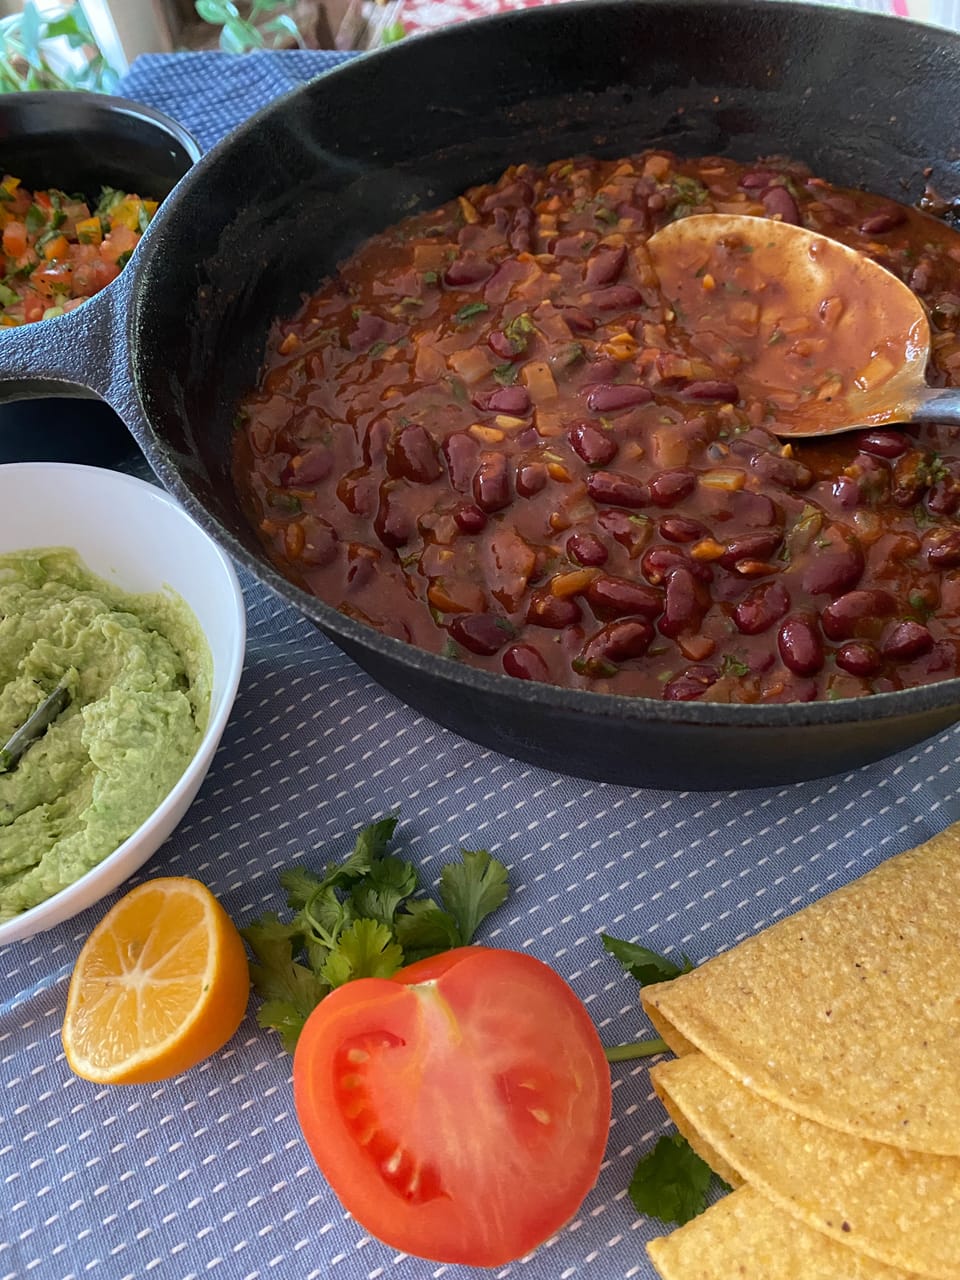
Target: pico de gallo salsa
x=58, y=252
x=491, y=435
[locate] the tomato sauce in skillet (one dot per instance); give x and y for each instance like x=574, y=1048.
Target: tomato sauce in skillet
x=490, y=436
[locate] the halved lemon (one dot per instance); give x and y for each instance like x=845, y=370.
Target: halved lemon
x=161, y=983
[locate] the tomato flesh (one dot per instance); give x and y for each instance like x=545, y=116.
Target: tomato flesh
x=460, y=1109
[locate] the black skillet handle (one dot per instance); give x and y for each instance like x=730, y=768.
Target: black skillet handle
x=80, y=354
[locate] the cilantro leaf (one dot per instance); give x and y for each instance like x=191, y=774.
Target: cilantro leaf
x=470, y=310
x=671, y=1181
x=366, y=950
x=641, y=963
x=424, y=929
x=290, y=991
x=381, y=891
x=472, y=889
x=286, y=1018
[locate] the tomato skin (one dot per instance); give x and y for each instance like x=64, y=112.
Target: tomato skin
x=460, y=1109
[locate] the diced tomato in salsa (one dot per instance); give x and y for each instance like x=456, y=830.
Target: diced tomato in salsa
x=57, y=252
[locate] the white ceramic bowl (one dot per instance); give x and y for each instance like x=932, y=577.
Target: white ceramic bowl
x=135, y=535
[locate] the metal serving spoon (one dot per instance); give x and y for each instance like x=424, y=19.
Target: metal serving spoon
x=827, y=338
x=33, y=728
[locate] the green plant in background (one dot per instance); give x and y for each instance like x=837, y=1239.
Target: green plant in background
x=239, y=34
x=28, y=54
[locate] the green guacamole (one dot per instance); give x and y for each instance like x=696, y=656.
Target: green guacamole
x=139, y=674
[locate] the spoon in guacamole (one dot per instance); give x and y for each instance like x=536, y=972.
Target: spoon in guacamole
x=33, y=728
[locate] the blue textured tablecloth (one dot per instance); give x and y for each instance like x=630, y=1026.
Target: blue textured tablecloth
x=207, y=1175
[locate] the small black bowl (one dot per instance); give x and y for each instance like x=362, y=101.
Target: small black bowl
x=81, y=142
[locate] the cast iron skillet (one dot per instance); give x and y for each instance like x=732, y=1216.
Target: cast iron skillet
x=175, y=342
x=82, y=142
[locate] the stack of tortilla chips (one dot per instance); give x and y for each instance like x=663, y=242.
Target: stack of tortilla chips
x=818, y=1072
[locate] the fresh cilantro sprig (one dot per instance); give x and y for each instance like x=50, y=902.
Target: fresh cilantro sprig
x=671, y=1182
x=643, y=964
x=360, y=918
x=646, y=967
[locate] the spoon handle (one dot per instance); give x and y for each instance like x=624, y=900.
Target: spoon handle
x=934, y=404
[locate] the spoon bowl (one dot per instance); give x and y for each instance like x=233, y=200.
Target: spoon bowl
x=827, y=339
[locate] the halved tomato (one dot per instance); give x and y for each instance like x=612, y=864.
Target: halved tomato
x=460, y=1109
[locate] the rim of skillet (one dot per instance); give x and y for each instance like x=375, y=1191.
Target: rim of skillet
x=938, y=695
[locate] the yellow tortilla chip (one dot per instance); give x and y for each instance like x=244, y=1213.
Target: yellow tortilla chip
x=899, y=1207
x=847, y=1012
x=745, y=1237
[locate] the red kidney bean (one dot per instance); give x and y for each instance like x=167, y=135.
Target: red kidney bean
x=883, y=444
x=512, y=400
x=632, y=532
x=834, y=568
x=942, y=548
x=610, y=597
x=752, y=546
x=615, y=643
x=308, y=468
x=393, y=525
x=757, y=178
x=910, y=478
x=587, y=549
x=906, y=640
x=470, y=518
x=319, y=542
x=362, y=564
x=603, y=370
x=616, y=297
x=800, y=645
x=847, y=492
x=857, y=613
x=944, y=497
x=524, y=662
x=690, y=684
x=373, y=328
x=547, y=610
x=883, y=220
x=462, y=454
x=491, y=484
x=778, y=201
x=685, y=604
x=531, y=478
x=761, y=607
x=481, y=633
x=621, y=490
x=501, y=346
x=593, y=444
x=786, y=472
x=466, y=271
x=605, y=266
x=514, y=194
x=658, y=563
x=412, y=454
x=711, y=389
x=670, y=487
x=604, y=397
x=679, y=529
x=577, y=321
x=859, y=658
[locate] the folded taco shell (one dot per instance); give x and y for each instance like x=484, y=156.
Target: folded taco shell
x=847, y=1012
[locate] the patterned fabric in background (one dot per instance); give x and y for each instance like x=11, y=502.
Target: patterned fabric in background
x=207, y=1174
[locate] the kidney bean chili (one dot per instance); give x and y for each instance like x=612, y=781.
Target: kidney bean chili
x=490, y=436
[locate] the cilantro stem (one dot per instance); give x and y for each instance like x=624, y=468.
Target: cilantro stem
x=636, y=1049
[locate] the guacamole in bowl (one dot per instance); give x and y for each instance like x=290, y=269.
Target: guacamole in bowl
x=137, y=670
x=109, y=591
